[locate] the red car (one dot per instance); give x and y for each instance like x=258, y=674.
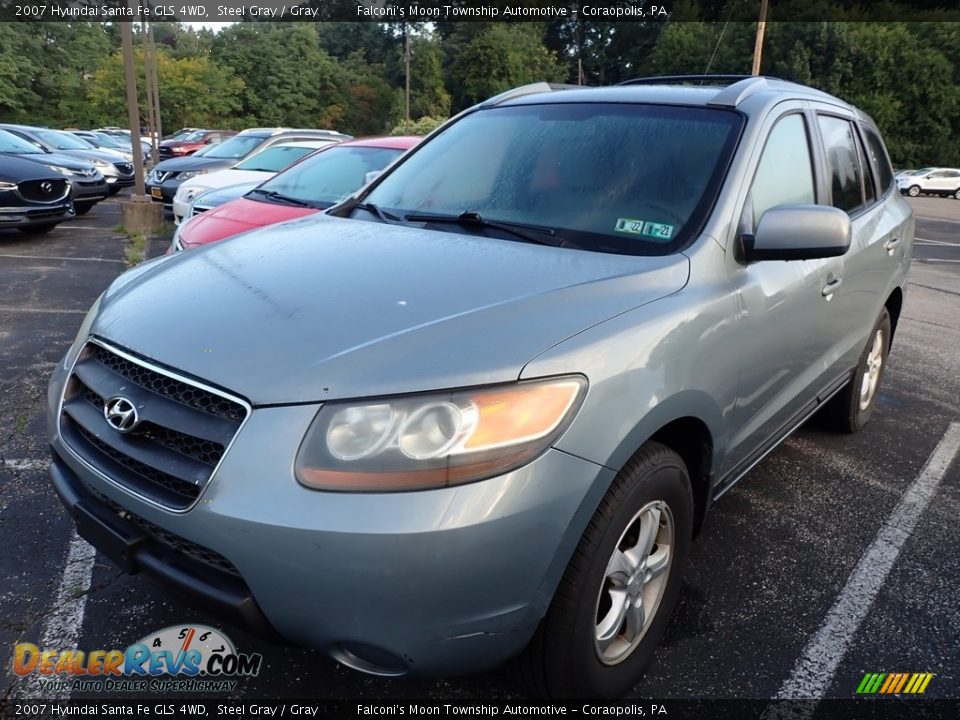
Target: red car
x=192, y=142
x=311, y=185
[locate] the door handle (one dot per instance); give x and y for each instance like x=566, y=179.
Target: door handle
x=891, y=245
x=831, y=287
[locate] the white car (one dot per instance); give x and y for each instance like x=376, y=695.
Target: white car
x=931, y=181
x=254, y=169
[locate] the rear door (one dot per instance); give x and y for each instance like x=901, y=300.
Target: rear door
x=871, y=261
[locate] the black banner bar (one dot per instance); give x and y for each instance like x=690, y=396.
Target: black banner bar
x=652, y=11
x=879, y=708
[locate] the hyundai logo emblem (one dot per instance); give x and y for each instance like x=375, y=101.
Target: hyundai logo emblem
x=121, y=414
x=46, y=186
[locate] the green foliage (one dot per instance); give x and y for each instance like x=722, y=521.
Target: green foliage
x=422, y=126
x=194, y=92
x=350, y=76
x=500, y=57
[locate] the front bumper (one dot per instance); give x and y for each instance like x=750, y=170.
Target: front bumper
x=89, y=190
x=181, y=209
x=433, y=582
x=25, y=216
x=166, y=190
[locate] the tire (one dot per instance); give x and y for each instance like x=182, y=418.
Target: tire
x=82, y=208
x=956, y=194
x=853, y=406
x=38, y=229
x=913, y=191
x=569, y=656
x=114, y=189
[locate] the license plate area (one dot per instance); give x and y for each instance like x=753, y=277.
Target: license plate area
x=156, y=193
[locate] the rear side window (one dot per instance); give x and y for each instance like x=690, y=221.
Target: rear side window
x=878, y=154
x=785, y=173
x=843, y=164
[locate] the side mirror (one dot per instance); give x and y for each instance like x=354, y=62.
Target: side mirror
x=797, y=232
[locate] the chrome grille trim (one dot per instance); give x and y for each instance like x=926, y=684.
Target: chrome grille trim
x=66, y=423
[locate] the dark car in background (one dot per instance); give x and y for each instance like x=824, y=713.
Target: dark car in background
x=166, y=176
x=87, y=185
x=116, y=167
x=193, y=142
x=33, y=198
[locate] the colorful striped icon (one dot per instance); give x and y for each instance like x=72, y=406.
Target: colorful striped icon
x=894, y=683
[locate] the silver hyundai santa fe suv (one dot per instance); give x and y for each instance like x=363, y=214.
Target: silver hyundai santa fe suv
x=480, y=409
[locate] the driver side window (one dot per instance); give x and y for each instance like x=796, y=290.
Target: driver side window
x=784, y=175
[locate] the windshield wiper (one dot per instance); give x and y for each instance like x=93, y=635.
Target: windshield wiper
x=470, y=218
x=280, y=197
x=386, y=217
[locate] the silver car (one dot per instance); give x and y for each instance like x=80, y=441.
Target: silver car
x=483, y=408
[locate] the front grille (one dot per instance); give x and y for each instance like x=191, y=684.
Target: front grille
x=45, y=191
x=171, y=540
x=157, y=177
x=124, y=168
x=180, y=435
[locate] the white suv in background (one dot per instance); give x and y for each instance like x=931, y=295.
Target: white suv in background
x=933, y=181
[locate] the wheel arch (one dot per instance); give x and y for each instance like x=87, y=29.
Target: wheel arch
x=894, y=304
x=688, y=423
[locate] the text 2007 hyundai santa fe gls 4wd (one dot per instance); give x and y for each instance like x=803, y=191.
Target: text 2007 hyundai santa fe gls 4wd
x=483, y=411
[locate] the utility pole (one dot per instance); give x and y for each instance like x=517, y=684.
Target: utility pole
x=133, y=107
x=148, y=77
x=140, y=214
x=406, y=59
x=758, y=46
x=155, y=97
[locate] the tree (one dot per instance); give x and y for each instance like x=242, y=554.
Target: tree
x=193, y=91
x=501, y=57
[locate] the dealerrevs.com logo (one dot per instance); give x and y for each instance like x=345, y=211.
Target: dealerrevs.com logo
x=180, y=658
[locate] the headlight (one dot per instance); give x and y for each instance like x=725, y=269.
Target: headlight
x=103, y=164
x=437, y=439
x=82, y=334
x=191, y=173
x=59, y=169
x=8, y=186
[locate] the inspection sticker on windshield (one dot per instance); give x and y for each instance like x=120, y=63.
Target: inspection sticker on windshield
x=660, y=231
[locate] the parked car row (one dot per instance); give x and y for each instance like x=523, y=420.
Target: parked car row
x=27, y=162
x=165, y=178
x=311, y=185
x=944, y=182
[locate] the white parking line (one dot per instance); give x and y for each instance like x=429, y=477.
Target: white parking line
x=71, y=226
x=45, y=311
x=62, y=627
x=56, y=257
x=925, y=241
x=813, y=672
x=21, y=464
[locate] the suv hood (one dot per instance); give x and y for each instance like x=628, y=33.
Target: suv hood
x=16, y=169
x=183, y=164
x=110, y=156
x=323, y=308
x=57, y=158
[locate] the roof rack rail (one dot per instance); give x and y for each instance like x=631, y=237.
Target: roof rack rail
x=531, y=89
x=702, y=79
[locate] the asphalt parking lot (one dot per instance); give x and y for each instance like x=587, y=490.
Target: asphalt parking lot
x=767, y=576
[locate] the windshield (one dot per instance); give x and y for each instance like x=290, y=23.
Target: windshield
x=624, y=178
x=192, y=136
x=274, y=159
x=107, y=141
x=61, y=141
x=331, y=175
x=10, y=143
x=236, y=147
